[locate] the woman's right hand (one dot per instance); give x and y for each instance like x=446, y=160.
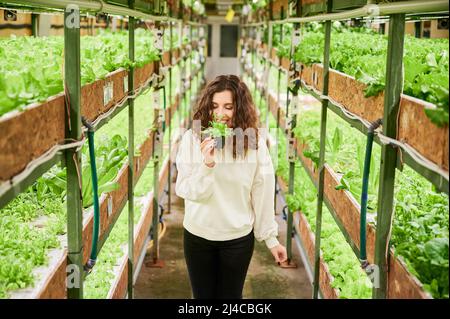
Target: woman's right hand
x=207, y=148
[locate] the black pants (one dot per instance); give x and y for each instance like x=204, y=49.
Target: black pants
x=217, y=269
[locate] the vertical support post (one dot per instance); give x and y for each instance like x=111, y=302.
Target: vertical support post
x=35, y=24
x=73, y=158
x=131, y=27
x=418, y=29
x=268, y=66
x=394, y=87
x=291, y=120
x=323, y=132
x=169, y=175
x=278, y=98
x=157, y=140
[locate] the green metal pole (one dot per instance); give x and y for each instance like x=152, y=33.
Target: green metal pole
x=34, y=24
x=323, y=132
x=131, y=41
x=268, y=66
x=73, y=158
x=394, y=86
x=293, y=122
x=169, y=178
x=278, y=101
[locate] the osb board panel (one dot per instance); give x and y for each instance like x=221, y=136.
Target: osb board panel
x=119, y=288
x=167, y=115
x=142, y=74
x=311, y=1
x=401, y=284
x=308, y=240
x=416, y=129
x=163, y=177
x=22, y=18
x=17, y=32
x=348, y=212
x=166, y=58
x=277, y=5
x=285, y=63
x=310, y=166
x=55, y=286
x=307, y=74
x=176, y=53
x=413, y=121
x=348, y=92
x=274, y=57
x=145, y=151
x=92, y=101
x=28, y=134
x=142, y=230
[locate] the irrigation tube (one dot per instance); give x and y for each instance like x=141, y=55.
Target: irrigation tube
x=93, y=257
x=96, y=6
x=364, y=193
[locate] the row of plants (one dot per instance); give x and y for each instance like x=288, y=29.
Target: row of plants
x=98, y=283
x=31, y=223
x=420, y=230
x=35, y=221
x=420, y=227
x=426, y=61
x=31, y=68
x=349, y=279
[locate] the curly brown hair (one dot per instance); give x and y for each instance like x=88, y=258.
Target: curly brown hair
x=245, y=115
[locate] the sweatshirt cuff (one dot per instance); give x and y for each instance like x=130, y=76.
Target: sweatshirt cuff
x=205, y=170
x=271, y=242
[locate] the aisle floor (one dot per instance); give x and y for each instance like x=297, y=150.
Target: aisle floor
x=265, y=279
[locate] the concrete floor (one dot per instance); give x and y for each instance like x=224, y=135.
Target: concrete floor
x=265, y=279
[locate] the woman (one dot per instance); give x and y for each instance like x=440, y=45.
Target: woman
x=228, y=192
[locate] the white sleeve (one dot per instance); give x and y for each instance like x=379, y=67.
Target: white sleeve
x=194, y=179
x=262, y=198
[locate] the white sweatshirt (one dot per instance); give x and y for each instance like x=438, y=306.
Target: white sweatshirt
x=230, y=199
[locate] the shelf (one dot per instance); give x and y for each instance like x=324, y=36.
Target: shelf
x=53, y=281
x=346, y=211
x=345, y=92
x=30, y=133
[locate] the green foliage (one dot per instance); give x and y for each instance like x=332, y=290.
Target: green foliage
x=217, y=129
x=31, y=69
x=425, y=62
x=421, y=221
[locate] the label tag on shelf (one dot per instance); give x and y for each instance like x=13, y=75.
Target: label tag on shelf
x=108, y=93
x=291, y=148
x=161, y=116
x=125, y=84
x=158, y=39
x=156, y=99
x=110, y=205
x=296, y=37
x=294, y=105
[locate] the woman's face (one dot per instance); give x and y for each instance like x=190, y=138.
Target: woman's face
x=223, y=107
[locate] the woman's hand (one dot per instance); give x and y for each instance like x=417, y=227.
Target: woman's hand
x=207, y=148
x=279, y=253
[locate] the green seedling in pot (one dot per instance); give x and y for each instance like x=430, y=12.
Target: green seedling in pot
x=218, y=131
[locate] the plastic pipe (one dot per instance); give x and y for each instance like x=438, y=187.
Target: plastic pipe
x=93, y=257
x=364, y=193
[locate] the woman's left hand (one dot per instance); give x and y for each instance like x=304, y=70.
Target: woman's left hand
x=279, y=253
